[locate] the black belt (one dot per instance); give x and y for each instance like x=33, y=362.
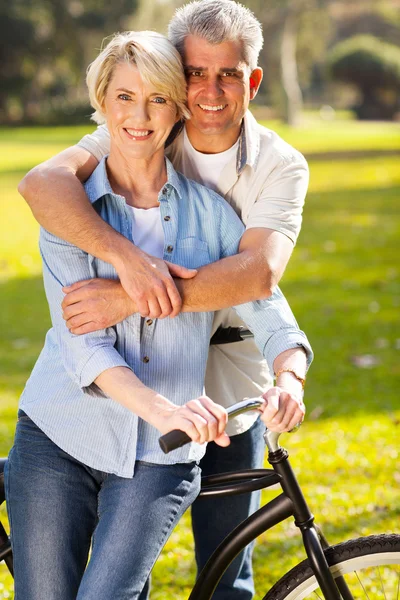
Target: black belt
x=228, y=335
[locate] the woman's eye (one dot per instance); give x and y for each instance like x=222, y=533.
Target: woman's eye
x=124, y=97
x=159, y=100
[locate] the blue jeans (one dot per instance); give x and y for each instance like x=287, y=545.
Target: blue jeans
x=58, y=507
x=214, y=518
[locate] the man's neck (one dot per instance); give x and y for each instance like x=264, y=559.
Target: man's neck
x=211, y=143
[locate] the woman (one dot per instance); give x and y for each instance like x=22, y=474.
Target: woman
x=85, y=468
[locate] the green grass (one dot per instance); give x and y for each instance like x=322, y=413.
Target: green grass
x=315, y=135
x=343, y=285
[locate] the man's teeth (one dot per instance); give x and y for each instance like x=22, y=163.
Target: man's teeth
x=134, y=133
x=212, y=108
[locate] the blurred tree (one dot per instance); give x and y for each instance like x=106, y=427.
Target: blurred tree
x=45, y=48
x=296, y=34
x=17, y=39
x=374, y=67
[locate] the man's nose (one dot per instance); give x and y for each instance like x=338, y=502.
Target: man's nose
x=213, y=87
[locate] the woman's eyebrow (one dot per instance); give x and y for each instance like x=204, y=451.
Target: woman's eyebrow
x=125, y=90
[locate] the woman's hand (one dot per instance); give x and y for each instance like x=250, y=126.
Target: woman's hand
x=202, y=419
x=95, y=304
x=283, y=410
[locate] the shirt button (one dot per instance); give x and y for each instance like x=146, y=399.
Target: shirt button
x=149, y=322
x=167, y=218
x=145, y=359
x=164, y=191
x=169, y=248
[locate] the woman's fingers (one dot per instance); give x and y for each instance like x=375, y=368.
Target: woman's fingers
x=283, y=410
x=208, y=419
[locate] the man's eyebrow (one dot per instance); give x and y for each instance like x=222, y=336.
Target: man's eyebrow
x=193, y=68
x=222, y=70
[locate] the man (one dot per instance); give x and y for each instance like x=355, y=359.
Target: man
x=265, y=180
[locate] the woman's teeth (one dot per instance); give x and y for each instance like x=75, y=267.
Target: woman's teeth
x=135, y=133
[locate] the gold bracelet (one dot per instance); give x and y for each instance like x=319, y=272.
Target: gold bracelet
x=301, y=379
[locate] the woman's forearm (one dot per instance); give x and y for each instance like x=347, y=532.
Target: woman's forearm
x=123, y=386
x=201, y=418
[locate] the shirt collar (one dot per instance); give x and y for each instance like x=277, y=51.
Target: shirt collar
x=249, y=143
x=98, y=185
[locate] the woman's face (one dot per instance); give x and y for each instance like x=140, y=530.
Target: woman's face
x=139, y=117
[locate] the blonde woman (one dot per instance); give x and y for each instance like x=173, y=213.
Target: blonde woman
x=86, y=470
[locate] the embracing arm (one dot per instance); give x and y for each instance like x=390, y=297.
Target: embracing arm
x=251, y=274
x=58, y=201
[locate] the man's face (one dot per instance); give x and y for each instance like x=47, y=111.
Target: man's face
x=218, y=91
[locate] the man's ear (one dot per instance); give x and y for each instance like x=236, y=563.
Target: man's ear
x=255, y=81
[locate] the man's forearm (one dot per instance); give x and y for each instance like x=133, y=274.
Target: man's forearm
x=59, y=203
x=231, y=281
x=250, y=275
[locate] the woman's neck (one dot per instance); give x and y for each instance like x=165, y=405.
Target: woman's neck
x=138, y=180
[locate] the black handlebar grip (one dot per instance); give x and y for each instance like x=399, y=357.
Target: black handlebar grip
x=173, y=440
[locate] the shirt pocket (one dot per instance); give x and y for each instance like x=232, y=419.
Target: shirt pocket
x=192, y=253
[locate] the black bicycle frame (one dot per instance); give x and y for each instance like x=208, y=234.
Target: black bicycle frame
x=290, y=503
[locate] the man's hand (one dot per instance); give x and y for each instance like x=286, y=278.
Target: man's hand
x=202, y=419
x=95, y=304
x=283, y=410
x=148, y=281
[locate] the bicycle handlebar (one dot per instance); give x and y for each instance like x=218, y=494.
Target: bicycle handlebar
x=177, y=438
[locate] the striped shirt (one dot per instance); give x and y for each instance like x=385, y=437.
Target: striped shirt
x=167, y=355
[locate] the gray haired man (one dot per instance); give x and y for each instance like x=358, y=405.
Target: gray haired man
x=265, y=180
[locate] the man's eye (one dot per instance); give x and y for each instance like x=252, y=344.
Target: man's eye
x=124, y=97
x=195, y=73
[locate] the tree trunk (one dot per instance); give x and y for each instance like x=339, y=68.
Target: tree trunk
x=290, y=79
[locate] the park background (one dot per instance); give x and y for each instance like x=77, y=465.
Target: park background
x=332, y=89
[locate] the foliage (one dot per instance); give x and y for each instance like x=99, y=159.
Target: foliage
x=343, y=284
x=373, y=66
x=48, y=45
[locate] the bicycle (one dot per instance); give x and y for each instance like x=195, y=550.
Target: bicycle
x=328, y=570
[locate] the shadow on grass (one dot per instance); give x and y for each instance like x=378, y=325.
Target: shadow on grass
x=350, y=154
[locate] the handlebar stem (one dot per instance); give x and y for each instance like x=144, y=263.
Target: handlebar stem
x=271, y=437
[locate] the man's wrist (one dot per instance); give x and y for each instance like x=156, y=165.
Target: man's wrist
x=117, y=252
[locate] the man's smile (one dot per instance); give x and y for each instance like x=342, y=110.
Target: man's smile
x=211, y=108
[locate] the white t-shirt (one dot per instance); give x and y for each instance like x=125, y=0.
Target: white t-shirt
x=147, y=230
x=208, y=167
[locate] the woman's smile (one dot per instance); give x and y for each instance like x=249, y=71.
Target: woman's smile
x=137, y=111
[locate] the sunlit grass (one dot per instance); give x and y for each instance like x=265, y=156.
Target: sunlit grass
x=343, y=284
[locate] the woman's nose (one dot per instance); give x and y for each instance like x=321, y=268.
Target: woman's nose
x=139, y=112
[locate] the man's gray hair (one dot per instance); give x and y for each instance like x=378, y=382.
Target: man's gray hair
x=218, y=21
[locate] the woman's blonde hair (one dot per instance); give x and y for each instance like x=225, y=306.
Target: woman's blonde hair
x=158, y=62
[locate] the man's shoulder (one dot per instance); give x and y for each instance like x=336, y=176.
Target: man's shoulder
x=272, y=146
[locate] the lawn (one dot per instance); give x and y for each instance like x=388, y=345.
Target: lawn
x=343, y=285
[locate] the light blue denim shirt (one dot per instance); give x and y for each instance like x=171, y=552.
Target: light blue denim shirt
x=167, y=355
